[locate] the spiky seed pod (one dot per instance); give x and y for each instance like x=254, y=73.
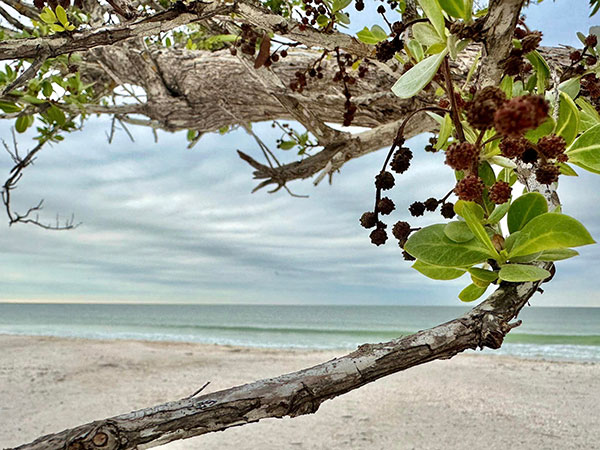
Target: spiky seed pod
x=401, y=160
x=378, y=236
x=417, y=209
x=500, y=192
x=431, y=204
x=384, y=181
x=401, y=230
x=547, y=174
x=513, y=147
x=461, y=155
x=368, y=219
x=529, y=156
x=447, y=210
x=407, y=256
x=385, y=206
x=480, y=112
x=591, y=40
x=530, y=42
x=520, y=114
x=551, y=146
x=470, y=188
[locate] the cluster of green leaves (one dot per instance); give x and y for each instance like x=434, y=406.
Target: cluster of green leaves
x=57, y=19
x=475, y=244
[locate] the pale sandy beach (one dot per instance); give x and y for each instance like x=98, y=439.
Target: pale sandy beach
x=470, y=402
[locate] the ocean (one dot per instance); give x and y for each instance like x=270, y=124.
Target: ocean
x=547, y=333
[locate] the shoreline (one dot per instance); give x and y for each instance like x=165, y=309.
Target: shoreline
x=483, y=401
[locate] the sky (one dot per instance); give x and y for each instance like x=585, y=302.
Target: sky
x=163, y=223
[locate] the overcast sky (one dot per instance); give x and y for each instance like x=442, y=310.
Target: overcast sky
x=162, y=223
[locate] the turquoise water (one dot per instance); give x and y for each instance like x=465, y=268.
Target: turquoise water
x=550, y=333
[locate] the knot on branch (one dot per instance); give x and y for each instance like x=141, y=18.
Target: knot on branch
x=304, y=402
x=493, y=331
x=102, y=437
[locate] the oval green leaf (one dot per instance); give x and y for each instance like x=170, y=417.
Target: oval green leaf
x=432, y=246
x=557, y=254
x=568, y=119
x=473, y=215
x=471, y=293
x=434, y=13
x=525, y=208
x=550, y=231
x=482, y=274
x=415, y=79
x=499, y=213
x=585, y=151
x=458, y=231
x=455, y=8
x=437, y=272
x=516, y=273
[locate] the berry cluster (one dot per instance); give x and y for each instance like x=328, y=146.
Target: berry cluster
x=312, y=10
x=529, y=41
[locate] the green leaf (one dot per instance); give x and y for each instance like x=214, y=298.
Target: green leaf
x=473, y=214
x=437, y=272
x=585, y=151
x=342, y=18
x=415, y=49
x=48, y=16
x=482, y=274
x=567, y=170
x=507, y=85
x=22, y=123
x=571, y=87
x=471, y=293
x=455, y=8
x=56, y=27
x=56, y=115
x=498, y=213
x=434, y=13
x=426, y=34
x=61, y=14
x=525, y=208
x=526, y=259
x=541, y=68
x=568, y=119
x=557, y=254
x=432, y=246
x=458, y=231
x=486, y=173
x=287, y=145
x=415, y=79
x=502, y=162
x=518, y=273
x=372, y=36
x=340, y=4
x=589, y=109
x=445, y=132
x=508, y=175
x=550, y=231
x=8, y=107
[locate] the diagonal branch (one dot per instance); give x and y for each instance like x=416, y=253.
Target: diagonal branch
x=300, y=392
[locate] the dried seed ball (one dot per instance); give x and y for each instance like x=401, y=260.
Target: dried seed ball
x=381, y=9
x=520, y=33
x=529, y=156
x=431, y=204
x=520, y=114
x=283, y=53
x=359, y=6
x=39, y=4
x=480, y=112
x=591, y=40
x=470, y=188
x=547, y=174
x=378, y=236
x=513, y=147
x=401, y=160
x=384, y=181
x=461, y=155
x=551, y=146
x=563, y=158
x=401, y=230
x=407, y=256
x=500, y=192
x=368, y=219
x=385, y=206
x=447, y=210
x=532, y=41
x=417, y=209
x=575, y=56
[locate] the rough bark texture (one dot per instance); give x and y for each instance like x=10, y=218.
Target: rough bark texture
x=300, y=392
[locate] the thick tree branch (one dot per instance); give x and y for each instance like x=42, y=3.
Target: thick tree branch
x=300, y=392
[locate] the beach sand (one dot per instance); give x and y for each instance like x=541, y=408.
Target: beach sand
x=469, y=402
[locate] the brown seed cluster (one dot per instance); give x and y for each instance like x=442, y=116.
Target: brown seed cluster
x=551, y=146
x=515, y=64
x=500, y=192
x=521, y=114
x=470, y=188
x=384, y=181
x=52, y=4
x=401, y=160
x=480, y=111
x=514, y=147
x=547, y=174
x=462, y=155
x=385, y=206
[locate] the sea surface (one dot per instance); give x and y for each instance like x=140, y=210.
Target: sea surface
x=548, y=333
